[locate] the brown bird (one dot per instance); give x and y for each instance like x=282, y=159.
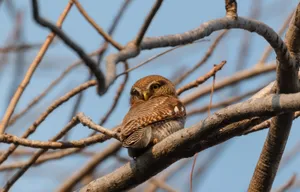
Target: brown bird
x=155, y=113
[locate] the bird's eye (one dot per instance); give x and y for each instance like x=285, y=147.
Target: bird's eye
x=155, y=86
x=134, y=92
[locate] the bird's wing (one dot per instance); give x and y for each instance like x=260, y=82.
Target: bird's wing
x=138, y=139
x=151, y=111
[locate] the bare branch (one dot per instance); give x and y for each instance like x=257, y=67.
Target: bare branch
x=20, y=172
x=80, y=52
x=204, y=30
x=162, y=185
x=21, y=47
x=233, y=79
x=287, y=82
x=14, y=101
x=147, y=22
x=202, y=79
x=102, y=51
x=175, y=146
x=69, y=184
x=84, y=120
x=288, y=184
x=225, y=103
x=268, y=49
x=207, y=55
x=106, y=36
x=44, y=115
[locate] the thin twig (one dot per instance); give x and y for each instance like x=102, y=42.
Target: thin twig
x=201, y=79
x=48, y=89
x=93, y=138
x=286, y=186
x=225, y=103
x=207, y=55
x=84, y=120
x=233, y=79
x=117, y=96
x=162, y=185
x=20, y=47
x=208, y=111
x=105, y=35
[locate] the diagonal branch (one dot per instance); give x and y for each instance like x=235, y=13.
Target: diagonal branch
x=147, y=22
x=106, y=36
x=84, y=120
x=14, y=101
x=80, y=52
x=207, y=55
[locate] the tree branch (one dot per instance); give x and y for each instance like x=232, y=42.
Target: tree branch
x=20, y=172
x=15, y=99
x=80, y=52
x=187, y=142
x=287, y=82
x=106, y=36
x=147, y=22
x=44, y=115
x=201, y=79
x=203, y=31
x=89, y=167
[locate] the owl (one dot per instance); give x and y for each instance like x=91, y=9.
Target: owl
x=155, y=113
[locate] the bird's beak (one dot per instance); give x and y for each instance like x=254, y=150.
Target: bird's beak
x=146, y=95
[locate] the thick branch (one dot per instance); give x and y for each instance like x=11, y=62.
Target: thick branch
x=203, y=31
x=287, y=82
x=187, y=142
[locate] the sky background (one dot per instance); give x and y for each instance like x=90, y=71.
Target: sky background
x=233, y=169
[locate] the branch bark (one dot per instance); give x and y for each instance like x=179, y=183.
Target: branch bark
x=203, y=31
x=287, y=82
x=187, y=142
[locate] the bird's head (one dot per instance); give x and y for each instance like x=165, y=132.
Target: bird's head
x=149, y=87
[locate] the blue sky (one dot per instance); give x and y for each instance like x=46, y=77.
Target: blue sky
x=232, y=171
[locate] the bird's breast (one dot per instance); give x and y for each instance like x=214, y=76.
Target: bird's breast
x=163, y=129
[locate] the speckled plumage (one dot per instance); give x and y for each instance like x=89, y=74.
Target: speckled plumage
x=155, y=113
